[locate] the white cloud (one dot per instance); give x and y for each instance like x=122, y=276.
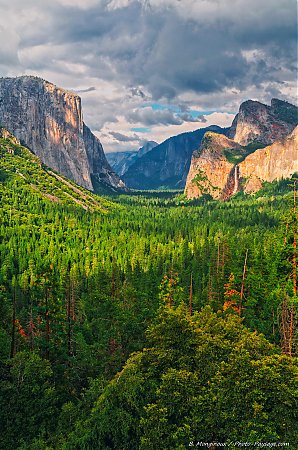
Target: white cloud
x=158, y=133
x=205, y=55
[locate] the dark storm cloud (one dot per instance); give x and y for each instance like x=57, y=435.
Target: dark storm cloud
x=169, y=52
x=219, y=51
x=137, y=92
x=150, y=117
x=124, y=138
x=186, y=117
x=82, y=91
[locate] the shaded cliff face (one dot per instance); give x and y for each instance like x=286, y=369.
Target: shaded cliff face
x=121, y=161
x=101, y=172
x=167, y=165
x=256, y=122
x=49, y=121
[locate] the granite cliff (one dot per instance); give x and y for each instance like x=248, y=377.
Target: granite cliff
x=49, y=121
x=167, y=164
x=210, y=167
x=263, y=148
x=279, y=160
x=263, y=124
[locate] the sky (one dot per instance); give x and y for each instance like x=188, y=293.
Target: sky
x=151, y=69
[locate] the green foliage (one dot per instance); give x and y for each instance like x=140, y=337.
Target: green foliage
x=24, y=173
x=185, y=385
x=81, y=282
x=236, y=155
x=286, y=112
x=28, y=400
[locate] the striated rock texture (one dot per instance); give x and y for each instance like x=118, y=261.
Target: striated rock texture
x=223, y=166
x=211, y=169
x=121, y=161
x=264, y=124
x=279, y=160
x=49, y=121
x=167, y=164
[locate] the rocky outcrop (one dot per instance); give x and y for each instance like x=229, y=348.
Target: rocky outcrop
x=5, y=134
x=210, y=169
x=49, y=121
x=279, y=160
x=263, y=124
x=121, y=161
x=101, y=172
x=223, y=166
x=167, y=165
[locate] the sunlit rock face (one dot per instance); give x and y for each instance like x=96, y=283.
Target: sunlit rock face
x=222, y=166
x=265, y=124
x=209, y=168
x=49, y=121
x=167, y=164
x=276, y=161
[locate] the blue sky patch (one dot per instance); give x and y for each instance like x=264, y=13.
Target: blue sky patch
x=141, y=129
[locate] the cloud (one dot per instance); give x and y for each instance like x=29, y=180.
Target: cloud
x=129, y=140
x=203, y=55
x=124, y=138
x=135, y=91
x=149, y=117
x=8, y=53
x=186, y=117
x=83, y=91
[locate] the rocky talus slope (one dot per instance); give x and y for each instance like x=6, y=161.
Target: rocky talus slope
x=264, y=148
x=49, y=121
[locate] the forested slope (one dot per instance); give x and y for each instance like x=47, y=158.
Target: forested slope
x=82, y=278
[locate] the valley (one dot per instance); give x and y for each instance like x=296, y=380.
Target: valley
x=148, y=225
x=88, y=281
x=144, y=311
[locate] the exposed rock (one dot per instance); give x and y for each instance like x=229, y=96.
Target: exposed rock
x=49, y=121
x=210, y=169
x=279, y=160
x=121, y=161
x=215, y=170
x=256, y=122
x=5, y=134
x=167, y=165
x=222, y=167
x=146, y=148
x=100, y=170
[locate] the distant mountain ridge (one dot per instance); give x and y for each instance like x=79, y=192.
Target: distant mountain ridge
x=264, y=148
x=121, y=161
x=167, y=164
x=49, y=120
